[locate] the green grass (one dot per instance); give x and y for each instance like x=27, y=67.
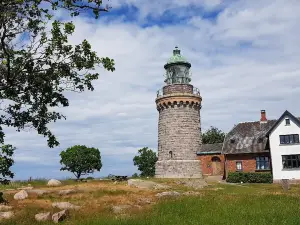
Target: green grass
x=248, y=204
x=215, y=208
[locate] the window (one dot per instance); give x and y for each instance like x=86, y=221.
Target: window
x=239, y=166
x=290, y=161
x=289, y=139
x=287, y=122
x=170, y=154
x=232, y=141
x=262, y=163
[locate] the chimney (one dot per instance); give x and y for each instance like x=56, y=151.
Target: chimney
x=263, y=118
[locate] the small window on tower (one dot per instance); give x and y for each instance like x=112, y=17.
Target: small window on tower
x=287, y=122
x=232, y=141
x=170, y=154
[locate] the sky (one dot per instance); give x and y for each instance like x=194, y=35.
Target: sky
x=245, y=57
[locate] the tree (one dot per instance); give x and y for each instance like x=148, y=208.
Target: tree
x=145, y=161
x=38, y=65
x=6, y=162
x=81, y=160
x=135, y=175
x=213, y=135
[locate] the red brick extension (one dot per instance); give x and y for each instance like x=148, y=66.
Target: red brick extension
x=248, y=162
x=206, y=164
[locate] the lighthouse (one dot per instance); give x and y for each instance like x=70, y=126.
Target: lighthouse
x=179, y=137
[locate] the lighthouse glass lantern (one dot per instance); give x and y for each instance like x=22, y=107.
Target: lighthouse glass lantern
x=177, y=69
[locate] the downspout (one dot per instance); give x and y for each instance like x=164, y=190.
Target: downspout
x=225, y=161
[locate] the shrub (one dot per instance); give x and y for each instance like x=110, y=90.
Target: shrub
x=90, y=178
x=238, y=177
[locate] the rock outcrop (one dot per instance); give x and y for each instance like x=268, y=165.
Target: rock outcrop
x=65, y=205
x=21, y=195
x=6, y=215
x=43, y=216
x=168, y=194
x=54, y=183
x=60, y=216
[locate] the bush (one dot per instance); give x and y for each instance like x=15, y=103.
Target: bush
x=238, y=177
x=90, y=178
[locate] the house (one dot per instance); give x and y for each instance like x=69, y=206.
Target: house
x=212, y=161
x=259, y=146
x=246, y=146
x=285, y=147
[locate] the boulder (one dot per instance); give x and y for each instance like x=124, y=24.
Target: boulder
x=5, y=208
x=54, y=183
x=6, y=215
x=168, y=194
x=120, y=208
x=66, y=192
x=43, y=216
x=38, y=192
x=60, y=216
x=146, y=184
x=21, y=195
x=65, y=205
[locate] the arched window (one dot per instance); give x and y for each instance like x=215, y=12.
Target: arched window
x=215, y=159
x=170, y=155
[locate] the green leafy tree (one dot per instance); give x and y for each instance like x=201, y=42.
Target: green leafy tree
x=6, y=162
x=81, y=160
x=145, y=161
x=213, y=135
x=135, y=175
x=38, y=64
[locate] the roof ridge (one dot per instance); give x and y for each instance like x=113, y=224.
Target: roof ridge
x=256, y=121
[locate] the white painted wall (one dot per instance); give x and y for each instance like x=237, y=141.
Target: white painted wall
x=277, y=150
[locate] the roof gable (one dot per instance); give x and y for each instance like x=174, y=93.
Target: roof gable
x=282, y=117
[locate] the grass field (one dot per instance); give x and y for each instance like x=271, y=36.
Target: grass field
x=256, y=204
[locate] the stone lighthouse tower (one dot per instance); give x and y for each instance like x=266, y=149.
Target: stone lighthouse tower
x=179, y=138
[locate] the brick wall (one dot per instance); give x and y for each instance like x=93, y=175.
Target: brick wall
x=206, y=164
x=248, y=162
x=178, y=88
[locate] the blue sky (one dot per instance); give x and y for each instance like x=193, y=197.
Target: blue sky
x=244, y=55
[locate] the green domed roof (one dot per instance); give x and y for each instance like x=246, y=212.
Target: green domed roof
x=176, y=57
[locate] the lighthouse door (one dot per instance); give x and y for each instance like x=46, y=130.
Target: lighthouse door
x=216, y=166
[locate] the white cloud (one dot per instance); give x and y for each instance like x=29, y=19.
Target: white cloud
x=245, y=60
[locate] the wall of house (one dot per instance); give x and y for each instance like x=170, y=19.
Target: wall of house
x=206, y=164
x=277, y=150
x=248, y=162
